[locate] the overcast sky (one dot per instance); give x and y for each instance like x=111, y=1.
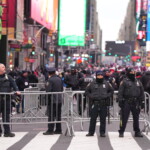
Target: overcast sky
x=111, y=15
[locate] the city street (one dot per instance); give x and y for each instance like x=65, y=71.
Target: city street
x=29, y=137
x=68, y=62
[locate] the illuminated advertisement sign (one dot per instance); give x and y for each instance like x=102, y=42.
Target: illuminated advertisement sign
x=144, y=6
x=148, y=21
x=45, y=12
x=9, y=18
x=138, y=12
x=72, y=22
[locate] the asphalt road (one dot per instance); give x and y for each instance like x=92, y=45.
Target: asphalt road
x=30, y=137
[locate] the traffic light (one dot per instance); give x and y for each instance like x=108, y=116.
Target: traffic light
x=51, y=53
x=33, y=50
x=109, y=54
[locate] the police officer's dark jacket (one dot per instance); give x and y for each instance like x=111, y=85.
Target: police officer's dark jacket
x=55, y=84
x=7, y=84
x=131, y=89
x=99, y=91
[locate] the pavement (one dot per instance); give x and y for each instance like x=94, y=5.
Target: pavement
x=30, y=137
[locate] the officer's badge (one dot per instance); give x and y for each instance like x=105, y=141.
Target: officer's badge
x=104, y=86
x=47, y=83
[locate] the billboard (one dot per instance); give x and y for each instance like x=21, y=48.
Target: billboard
x=124, y=48
x=148, y=21
x=19, y=20
x=9, y=18
x=72, y=22
x=45, y=12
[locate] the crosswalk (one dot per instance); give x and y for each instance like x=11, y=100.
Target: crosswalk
x=79, y=141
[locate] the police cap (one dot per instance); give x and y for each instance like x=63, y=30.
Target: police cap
x=99, y=72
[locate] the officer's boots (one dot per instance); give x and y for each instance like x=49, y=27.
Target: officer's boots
x=138, y=134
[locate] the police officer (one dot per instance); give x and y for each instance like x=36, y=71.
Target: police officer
x=54, y=84
x=131, y=96
x=6, y=85
x=83, y=82
x=99, y=91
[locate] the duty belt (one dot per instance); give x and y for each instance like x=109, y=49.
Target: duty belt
x=132, y=99
x=100, y=102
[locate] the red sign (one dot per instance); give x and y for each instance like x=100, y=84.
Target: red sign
x=45, y=12
x=31, y=60
x=141, y=34
x=134, y=58
x=15, y=46
x=9, y=14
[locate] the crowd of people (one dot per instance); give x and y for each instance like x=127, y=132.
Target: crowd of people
x=99, y=83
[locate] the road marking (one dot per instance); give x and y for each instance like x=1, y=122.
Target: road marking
x=125, y=143
x=42, y=142
x=148, y=136
x=80, y=141
x=6, y=142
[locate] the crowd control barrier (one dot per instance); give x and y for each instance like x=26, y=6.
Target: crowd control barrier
x=69, y=107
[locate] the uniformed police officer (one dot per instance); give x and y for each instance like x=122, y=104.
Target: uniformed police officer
x=83, y=82
x=54, y=84
x=99, y=91
x=6, y=85
x=130, y=96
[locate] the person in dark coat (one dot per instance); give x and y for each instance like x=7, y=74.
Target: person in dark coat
x=145, y=81
x=131, y=97
x=99, y=91
x=22, y=83
x=54, y=84
x=32, y=78
x=23, y=80
x=83, y=82
x=7, y=83
x=72, y=80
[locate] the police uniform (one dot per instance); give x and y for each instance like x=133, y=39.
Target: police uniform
x=6, y=85
x=131, y=95
x=54, y=84
x=98, y=92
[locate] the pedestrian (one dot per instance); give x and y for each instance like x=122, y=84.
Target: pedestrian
x=7, y=83
x=22, y=82
x=72, y=80
x=131, y=97
x=83, y=82
x=54, y=84
x=99, y=92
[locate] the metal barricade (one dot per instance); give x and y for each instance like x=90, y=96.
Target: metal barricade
x=146, y=113
x=43, y=107
x=81, y=105
x=40, y=86
x=36, y=110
